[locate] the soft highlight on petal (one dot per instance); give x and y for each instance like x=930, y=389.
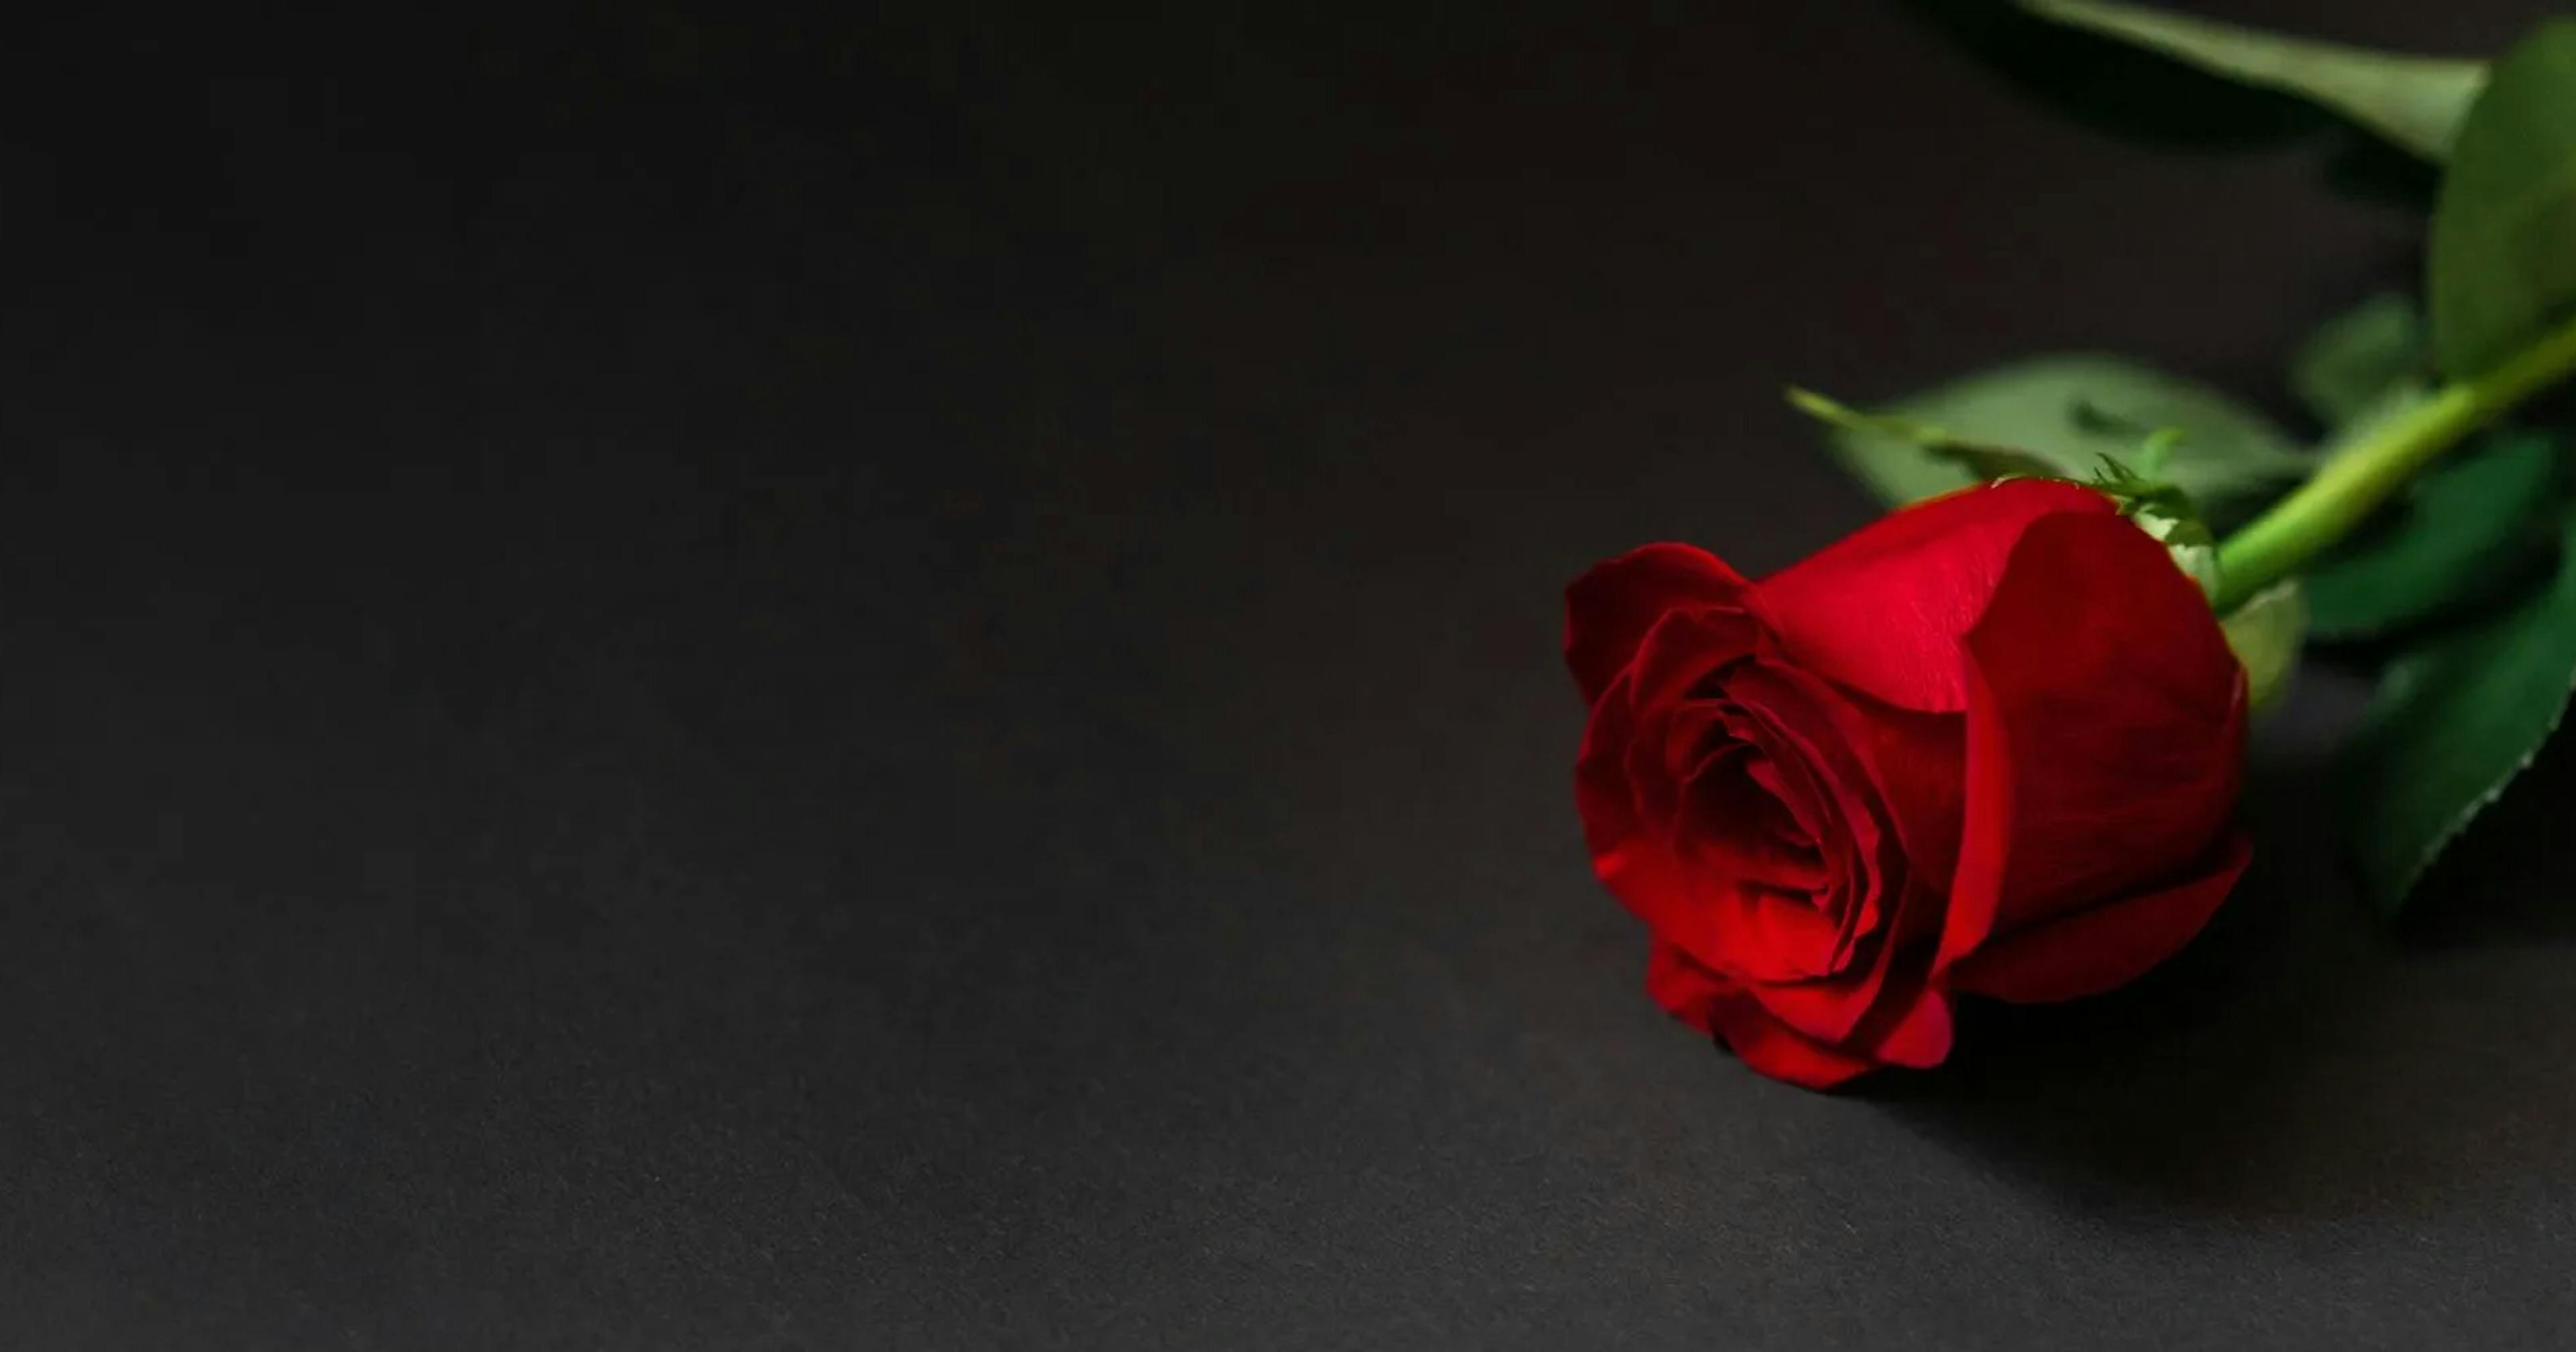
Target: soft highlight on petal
x=1883, y=610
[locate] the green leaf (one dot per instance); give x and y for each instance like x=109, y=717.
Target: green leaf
x=2118, y=88
x=2416, y=102
x=2502, y=257
x=2466, y=531
x=2455, y=720
x=2362, y=360
x=2265, y=634
x=1980, y=460
x=2070, y=412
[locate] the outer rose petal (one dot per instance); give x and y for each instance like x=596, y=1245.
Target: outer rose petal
x=2106, y=725
x=1609, y=609
x=1634, y=856
x=1702, y=999
x=1920, y=1038
x=1686, y=990
x=1705, y=1000
x=1883, y=610
x=1631, y=858
x=1779, y=1051
x=1985, y=837
x=2094, y=951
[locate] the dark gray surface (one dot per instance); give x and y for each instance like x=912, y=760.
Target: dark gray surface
x=845, y=681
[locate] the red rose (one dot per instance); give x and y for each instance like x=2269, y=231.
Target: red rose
x=1988, y=744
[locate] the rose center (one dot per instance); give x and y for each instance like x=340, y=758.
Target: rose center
x=1749, y=824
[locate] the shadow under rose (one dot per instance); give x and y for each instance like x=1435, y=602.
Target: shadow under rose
x=2301, y=1058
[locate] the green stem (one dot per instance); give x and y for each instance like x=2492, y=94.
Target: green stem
x=2360, y=475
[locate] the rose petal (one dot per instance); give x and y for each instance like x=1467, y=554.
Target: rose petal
x=1915, y=762
x=1686, y=990
x=1655, y=798
x=1774, y=936
x=1883, y=610
x=1632, y=860
x=1732, y=824
x=1920, y=1036
x=1835, y=1009
x=2106, y=727
x=1985, y=837
x=1610, y=609
x=1677, y=650
x=2096, y=950
x=1691, y=993
x=1682, y=649
x=1792, y=718
x=1779, y=1051
x=1692, y=737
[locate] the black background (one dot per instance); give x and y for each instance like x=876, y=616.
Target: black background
x=679, y=677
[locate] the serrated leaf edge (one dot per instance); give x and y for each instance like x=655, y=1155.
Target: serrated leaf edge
x=2459, y=824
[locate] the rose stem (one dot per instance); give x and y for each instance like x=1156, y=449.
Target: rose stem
x=2359, y=475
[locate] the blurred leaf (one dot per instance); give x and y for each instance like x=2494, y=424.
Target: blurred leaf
x=2265, y=634
x=2118, y=88
x=1982, y=461
x=2361, y=359
x=2503, y=248
x=2070, y=412
x=2454, y=721
x=2467, y=530
x=2416, y=102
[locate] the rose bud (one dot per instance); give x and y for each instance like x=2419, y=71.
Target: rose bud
x=1986, y=745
